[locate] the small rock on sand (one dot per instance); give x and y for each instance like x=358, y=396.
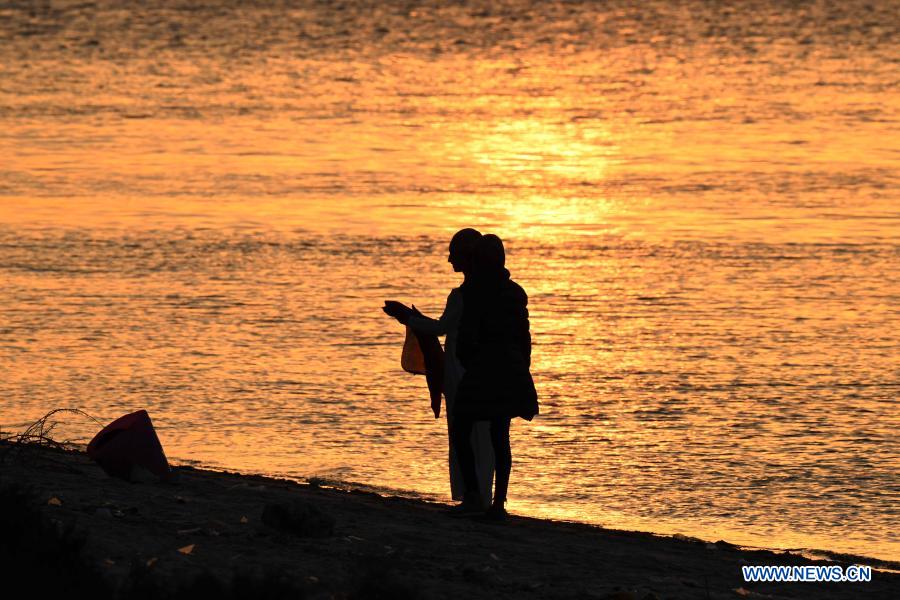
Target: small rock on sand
x=299, y=518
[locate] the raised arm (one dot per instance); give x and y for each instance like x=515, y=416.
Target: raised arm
x=448, y=321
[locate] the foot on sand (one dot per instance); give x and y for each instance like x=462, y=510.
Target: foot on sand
x=495, y=513
x=469, y=507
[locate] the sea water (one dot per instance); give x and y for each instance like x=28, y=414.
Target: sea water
x=204, y=205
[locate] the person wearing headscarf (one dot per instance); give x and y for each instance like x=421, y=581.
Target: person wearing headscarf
x=494, y=347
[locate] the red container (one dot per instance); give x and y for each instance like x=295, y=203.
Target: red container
x=128, y=445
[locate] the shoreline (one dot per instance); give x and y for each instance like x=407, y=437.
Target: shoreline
x=816, y=554
x=411, y=544
x=820, y=554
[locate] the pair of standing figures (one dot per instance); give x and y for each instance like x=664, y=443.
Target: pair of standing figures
x=487, y=377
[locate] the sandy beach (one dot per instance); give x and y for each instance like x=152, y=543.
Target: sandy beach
x=208, y=526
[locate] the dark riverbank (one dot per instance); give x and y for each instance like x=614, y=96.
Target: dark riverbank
x=205, y=532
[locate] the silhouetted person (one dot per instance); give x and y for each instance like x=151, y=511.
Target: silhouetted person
x=494, y=347
x=461, y=247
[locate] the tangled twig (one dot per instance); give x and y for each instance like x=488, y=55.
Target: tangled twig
x=39, y=433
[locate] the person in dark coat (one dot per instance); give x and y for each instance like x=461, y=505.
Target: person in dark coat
x=494, y=347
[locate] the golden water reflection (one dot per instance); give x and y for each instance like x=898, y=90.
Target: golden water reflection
x=201, y=212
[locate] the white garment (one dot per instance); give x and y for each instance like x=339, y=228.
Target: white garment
x=448, y=324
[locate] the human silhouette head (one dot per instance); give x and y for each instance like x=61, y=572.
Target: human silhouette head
x=461, y=247
x=488, y=255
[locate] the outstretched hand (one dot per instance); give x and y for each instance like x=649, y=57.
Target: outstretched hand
x=398, y=310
